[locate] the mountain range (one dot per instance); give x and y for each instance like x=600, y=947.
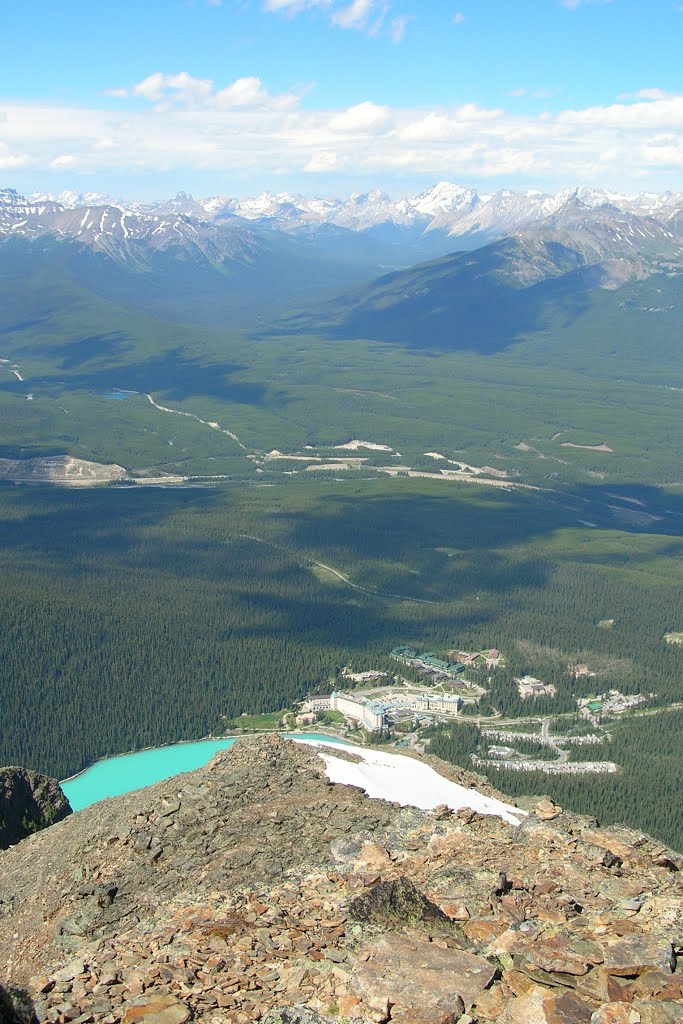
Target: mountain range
x=220, y=261
x=514, y=287
x=182, y=267
x=445, y=209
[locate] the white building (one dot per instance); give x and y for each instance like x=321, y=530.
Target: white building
x=316, y=704
x=440, y=703
x=369, y=714
x=529, y=686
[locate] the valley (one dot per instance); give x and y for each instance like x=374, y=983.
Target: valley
x=341, y=512
x=484, y=444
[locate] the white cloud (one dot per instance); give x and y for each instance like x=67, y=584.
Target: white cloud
x=572, y=5
x=326, y=160
x=294, y=6
x=355, y=15
x=458, y=18
x=199, y=93
x=537, y=94
x=10, y=160
x=65, y=160
x=367, y=16
x=186, y=125
x=364, y=119
x=645, y=94
x=398, y=27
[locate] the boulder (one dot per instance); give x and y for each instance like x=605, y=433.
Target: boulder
x=546, y=810
x=424, y=983
x=162, y=1010
x=397, y=903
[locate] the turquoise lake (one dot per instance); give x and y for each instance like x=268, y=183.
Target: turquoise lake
x=127, y=772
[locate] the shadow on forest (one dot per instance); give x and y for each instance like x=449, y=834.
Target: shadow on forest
x=76, y=353
x=383, y=541
x=460, y=303
x=172, y=372
x=66, y=526
x=31, y=450
x=631, y=508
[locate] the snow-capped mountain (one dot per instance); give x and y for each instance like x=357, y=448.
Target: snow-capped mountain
x=70, y=199
x=124, y=234
x=439, y=220
x=452, y=210
x=361, y=211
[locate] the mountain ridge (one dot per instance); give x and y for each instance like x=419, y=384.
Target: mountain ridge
x=256, y=889
x=487, y=298
x=450, y=210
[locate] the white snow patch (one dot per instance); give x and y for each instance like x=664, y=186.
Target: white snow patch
x=409, y=782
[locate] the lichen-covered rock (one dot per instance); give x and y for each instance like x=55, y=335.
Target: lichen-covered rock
x=294, y=1015
x=29, y=802
x=393, y=903
x=15, y=1007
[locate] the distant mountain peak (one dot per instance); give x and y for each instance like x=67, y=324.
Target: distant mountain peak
x=446, y=215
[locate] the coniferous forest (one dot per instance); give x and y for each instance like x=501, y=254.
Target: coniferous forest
x=646, y=793
x=137, y=616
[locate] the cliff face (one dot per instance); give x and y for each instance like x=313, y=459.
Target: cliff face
x=254, y=889
x=29, y=802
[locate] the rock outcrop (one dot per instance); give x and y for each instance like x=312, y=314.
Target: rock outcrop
x=15, y=1007
x=29, y=802
x=254, y=889
x=60, y=469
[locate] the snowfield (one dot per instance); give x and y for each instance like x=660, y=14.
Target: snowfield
x=407, y=781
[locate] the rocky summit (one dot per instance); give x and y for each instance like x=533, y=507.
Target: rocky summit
x=256, y=890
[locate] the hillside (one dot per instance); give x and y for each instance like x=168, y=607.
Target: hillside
x=254, y=890
x=179, y=267
x=59, y=469
x=540, y=280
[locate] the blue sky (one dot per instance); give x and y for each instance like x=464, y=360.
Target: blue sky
x=332, y=96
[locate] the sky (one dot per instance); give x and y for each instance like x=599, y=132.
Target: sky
x=144, y=98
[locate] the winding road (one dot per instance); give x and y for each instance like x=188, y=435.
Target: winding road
x=340, y=575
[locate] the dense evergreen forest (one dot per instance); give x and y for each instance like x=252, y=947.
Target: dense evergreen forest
x=646, y=793
x=137, y=616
